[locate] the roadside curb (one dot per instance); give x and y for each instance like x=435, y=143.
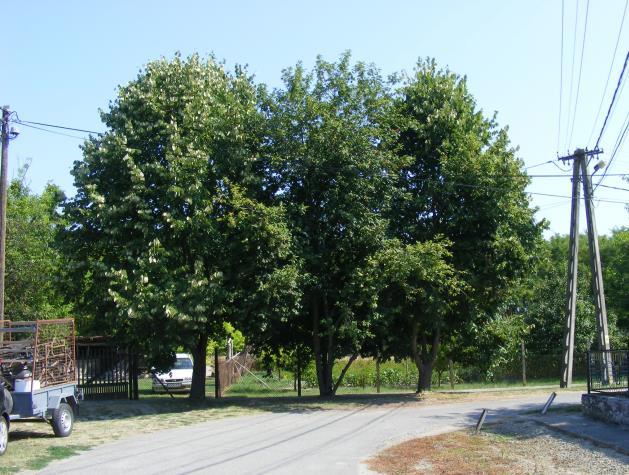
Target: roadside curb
x=580, y=435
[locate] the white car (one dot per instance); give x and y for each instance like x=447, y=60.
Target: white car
x=178, y=378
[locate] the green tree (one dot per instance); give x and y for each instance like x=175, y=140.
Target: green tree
x=326, y=144
x=415, y=285
x=32, y=264
x=615, y=263
x=167, y=240
x=462, y=182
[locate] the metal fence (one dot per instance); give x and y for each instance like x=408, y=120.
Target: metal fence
x=106, y=371
x=608, y=372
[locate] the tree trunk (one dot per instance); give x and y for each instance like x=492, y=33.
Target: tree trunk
x=378, y=375
x=425, y=375
x=342, y=375
x=320, y=357
x=451, y=371
x=425, y=357
x=199, y=353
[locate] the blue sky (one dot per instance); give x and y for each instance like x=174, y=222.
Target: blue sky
x=62, y=61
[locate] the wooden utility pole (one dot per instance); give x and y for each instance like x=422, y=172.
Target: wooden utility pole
x=523, y=351
x=3, y=201
x=580, y=172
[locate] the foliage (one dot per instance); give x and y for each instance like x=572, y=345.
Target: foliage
x=326, y=145
x=33, y=266
x=166, y=236
x=615, y=259
x=463, y=183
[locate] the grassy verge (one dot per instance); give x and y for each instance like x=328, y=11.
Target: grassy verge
x=515, y=447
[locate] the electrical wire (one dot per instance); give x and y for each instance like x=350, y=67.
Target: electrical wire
x=495, y=188
x=561, y=77
x=609, y=74
x=574, y=50
x=624, y=67
x=576, y=100
x=614, y=187
x=24, y=122
x=539, y=164
x=617, y=146
x=52, y=131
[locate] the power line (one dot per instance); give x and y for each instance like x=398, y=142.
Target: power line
x=52, y=131
x=574, y=49
x=24, y=122
x=495, y=188
x=561, y=78
x=569, y=176
x=576, y=100
x=619, y=142
x=600, y=135
x=539, y=164
x=613, y=187
x=609, y=74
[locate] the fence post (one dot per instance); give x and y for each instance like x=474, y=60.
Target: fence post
x=589, y=371
x=451, y=372
x=523, y=349
x=298, y=377
x=217, y=379
x=136, y=376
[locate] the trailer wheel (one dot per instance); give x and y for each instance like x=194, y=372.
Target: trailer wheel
x=4, y=435
x=63, y=420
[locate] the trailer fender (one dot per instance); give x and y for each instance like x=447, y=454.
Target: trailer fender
x=53, y=403
x=74, y=403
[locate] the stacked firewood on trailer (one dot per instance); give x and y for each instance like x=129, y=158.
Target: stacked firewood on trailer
x=37, y=354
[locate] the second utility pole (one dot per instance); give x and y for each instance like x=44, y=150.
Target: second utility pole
x=4, y=165
x=579, y=170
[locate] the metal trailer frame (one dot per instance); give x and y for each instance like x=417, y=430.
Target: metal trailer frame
x=50, y=355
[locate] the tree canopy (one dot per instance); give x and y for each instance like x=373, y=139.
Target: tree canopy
x=33, y=265
x=462, y=182
x=338, y=215
x=166, y=237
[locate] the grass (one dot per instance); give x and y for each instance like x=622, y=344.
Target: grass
x=261, y=386
x=56, y=453
x=577, y=383
x=453, y=453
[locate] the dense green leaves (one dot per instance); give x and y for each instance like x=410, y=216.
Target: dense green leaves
x=326, y=138
x=167, y=238
x=338, y=215
x=462, y=182
x=33, y=266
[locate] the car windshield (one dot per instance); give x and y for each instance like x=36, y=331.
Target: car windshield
x=183, y=363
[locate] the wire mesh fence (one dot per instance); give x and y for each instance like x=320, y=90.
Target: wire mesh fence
x=246, y=374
